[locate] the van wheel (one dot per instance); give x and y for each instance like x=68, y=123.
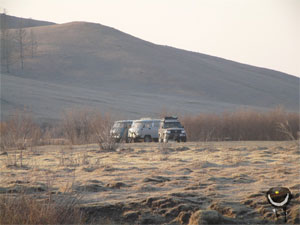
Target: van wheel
x=147, y=139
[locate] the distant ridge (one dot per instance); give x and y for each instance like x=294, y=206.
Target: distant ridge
x=15, y=22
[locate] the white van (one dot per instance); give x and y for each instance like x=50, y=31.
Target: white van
x=119, y=131
x=144, y=129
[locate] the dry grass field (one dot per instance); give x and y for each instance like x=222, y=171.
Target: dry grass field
x=151, y=183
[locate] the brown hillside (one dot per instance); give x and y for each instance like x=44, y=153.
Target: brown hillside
x=88, y=57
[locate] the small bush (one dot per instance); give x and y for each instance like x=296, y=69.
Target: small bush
x=20, y=131
x=26, y=209
x=86, y=126
x=275, y=125
x=83, y=127
x=101, y=128
x=77, y=127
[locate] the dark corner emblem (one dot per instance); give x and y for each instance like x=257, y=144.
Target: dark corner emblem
x=279, y=198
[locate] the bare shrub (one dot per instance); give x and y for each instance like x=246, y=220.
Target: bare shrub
x=86, y=126
x=67, y=158
x=53, y=133
x=20, y=131
x=3, y=136
x=11, y=160
x=165, y=149
x=243, y=124
x=70, y=159
x=17, y=134
x=285, y=129
x=101, y=127
x=77, y=126
x=26, y=209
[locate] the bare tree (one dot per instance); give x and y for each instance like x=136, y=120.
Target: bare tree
x=22, y=43
x=33, y=44
x=6, y=44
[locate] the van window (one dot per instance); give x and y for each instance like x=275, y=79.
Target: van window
x=118, y=125
x=148, y=125
x=137, y=125
x=172, y=124
x=156, y=123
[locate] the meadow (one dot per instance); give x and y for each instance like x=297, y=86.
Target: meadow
x=149, y=183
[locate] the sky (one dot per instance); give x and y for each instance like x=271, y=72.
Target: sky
x=262, y=33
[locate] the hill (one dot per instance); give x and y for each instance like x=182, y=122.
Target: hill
x=83, y=64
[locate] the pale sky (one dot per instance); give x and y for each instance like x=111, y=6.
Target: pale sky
x=264, y=33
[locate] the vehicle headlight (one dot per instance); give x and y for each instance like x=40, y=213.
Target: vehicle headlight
x=183, y=131
x=168, y=131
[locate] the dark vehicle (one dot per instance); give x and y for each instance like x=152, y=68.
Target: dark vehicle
x=119, y=131
x=171, y=129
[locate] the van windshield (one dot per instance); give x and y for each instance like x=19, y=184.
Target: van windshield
x=172, y=125
x=137, y=125
x=118, y=125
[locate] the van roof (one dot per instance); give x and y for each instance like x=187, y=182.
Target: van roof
x=147, y=120
x=124, y=121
